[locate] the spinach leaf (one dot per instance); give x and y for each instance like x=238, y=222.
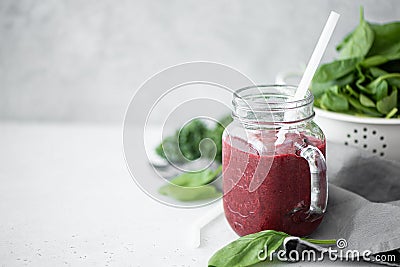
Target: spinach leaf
x=345, y=40
x=334, y=101
x=377, y=60
x=190, y=137
x=360, y=41
x=380, y=82
x=247, y=250
x=374, y=61
x=360, y=109
x=190, y=193
x=382, y=90
x=184, y=144
x=318, y=89
x=376, y=72
x=191, y=186
x=250, y=249
x=345, y=80
x=387, y=39
x=388, y=103
x=335, y=70
x=198, y=178
x=394, y=56
x=366, y=101
x=394, y=81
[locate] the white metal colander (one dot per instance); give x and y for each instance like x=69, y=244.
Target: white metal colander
x=378, y=136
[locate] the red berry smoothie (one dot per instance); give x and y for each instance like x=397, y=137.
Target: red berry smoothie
x=281, y=201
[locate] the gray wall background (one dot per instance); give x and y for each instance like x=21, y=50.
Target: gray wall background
x=82, y=60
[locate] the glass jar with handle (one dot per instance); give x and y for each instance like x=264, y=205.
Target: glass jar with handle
x=274, y=170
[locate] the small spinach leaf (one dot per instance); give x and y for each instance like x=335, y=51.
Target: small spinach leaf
x=366, y=101
x=360, y=109
x=191, y=186
x=376, y=72
x=190, y=193
x=198, y=178
x=388, y=103
x=374, y=61
x=373, y=86
x=334, y=102
x=360, y=41
x=382, y=90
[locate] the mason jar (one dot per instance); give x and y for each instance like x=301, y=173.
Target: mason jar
x=274, y=170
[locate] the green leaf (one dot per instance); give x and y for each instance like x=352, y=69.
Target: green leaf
x=394, y=56
x=371, y=88
x=355, y=103
x=247, y=250
x=334, y=101
x=190, y=193
x=185, y=144
x=387, y=104
x=345, y=80
x=374, y=61
x=335, y=70
x=198, y=178
x=360, y=41
x=191, y=186
x=345, y=40
x=376, y=72
x=318, y=89
x=387, y=39
x=377, y=60
x=379, y=83
x=190, y=137
x=382, y=90
x=366, y=102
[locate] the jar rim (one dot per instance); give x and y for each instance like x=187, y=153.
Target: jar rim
x=240, y=99
x=271, y=104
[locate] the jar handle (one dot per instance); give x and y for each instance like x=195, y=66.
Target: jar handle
x=319, y=183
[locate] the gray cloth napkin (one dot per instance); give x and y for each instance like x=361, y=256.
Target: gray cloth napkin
x=364, y=202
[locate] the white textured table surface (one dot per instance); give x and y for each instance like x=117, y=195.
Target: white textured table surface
x=67, y=199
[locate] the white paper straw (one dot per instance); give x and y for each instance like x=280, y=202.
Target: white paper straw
x=317, y=55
